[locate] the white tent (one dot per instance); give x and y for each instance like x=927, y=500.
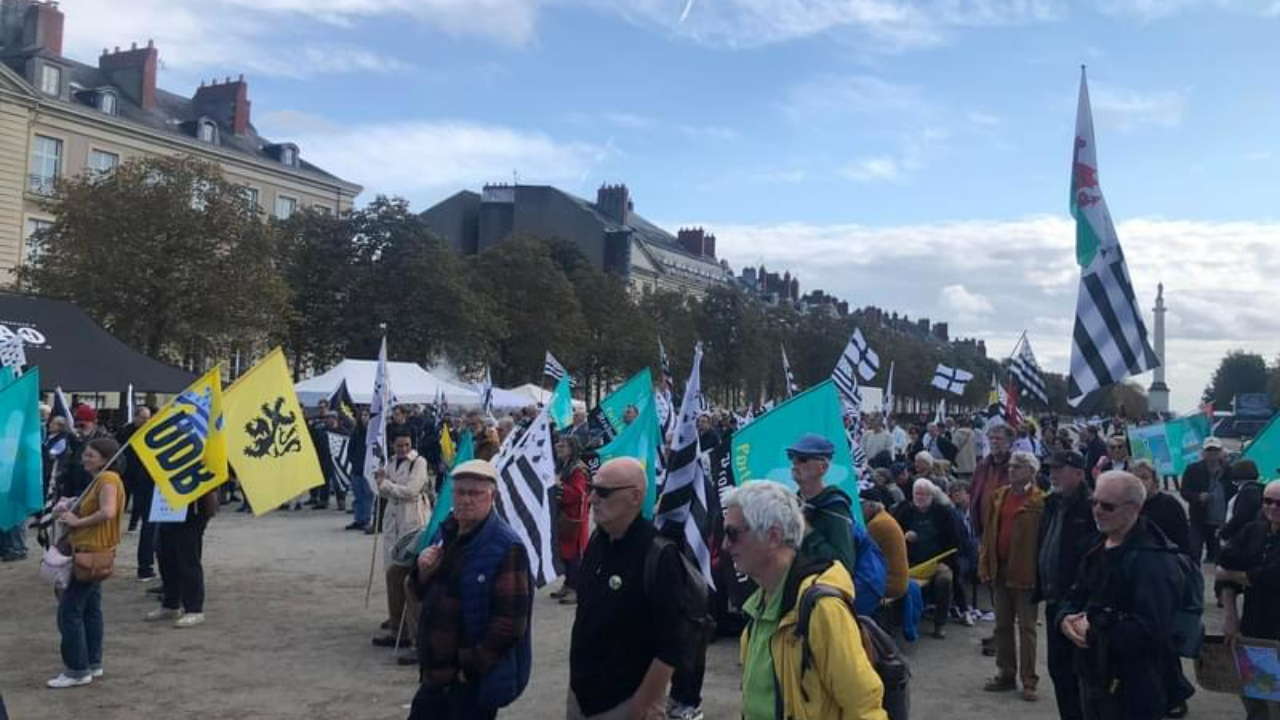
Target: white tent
x=527, y=394
x=409, y=382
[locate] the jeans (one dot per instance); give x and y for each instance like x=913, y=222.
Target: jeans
x=80, y=622
x=452, y=702
x=1204, y=542
x=1066, y=684
x=181, y=550
x=1015, y=653
x=363, y=502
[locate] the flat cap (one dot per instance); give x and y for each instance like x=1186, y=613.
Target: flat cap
x=812, y=445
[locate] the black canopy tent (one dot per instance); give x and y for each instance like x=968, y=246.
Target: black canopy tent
x=73, y=353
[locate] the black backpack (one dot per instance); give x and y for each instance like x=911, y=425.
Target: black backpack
x=881, y=650
x=697, y=622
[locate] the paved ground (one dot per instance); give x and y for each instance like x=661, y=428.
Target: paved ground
x=288, y=637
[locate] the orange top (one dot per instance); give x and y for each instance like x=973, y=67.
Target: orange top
x=104, y=535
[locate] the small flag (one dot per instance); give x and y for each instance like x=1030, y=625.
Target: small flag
x=788, y=377
x=857, y=361
x=375, y=452
x=526, y=474
x=486, y=393
x=952, y=380
x=1109, y=342
x=128, y=404
x=340, y=402
x=886, y=405
x=184, y=445
x=552, y=368
x=665, y=364
x=640, y=440
x=940, y=417
x=684, y=493
x=561, y=405
x=1026, y=371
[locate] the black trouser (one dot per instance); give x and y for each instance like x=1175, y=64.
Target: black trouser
x=1204, y=541
x=452, y=702
x=1061, y=652
x=686, y=682
x=181, y=550
x=147, y=548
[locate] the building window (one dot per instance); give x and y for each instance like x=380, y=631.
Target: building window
x=103, y=162
x=324, y=209
x=250, y=194
x=46, y=164
x=34, y=246
x=208, y=131
x=107, y=103
x=51, y=80
x=289, y=156
x=285, y=206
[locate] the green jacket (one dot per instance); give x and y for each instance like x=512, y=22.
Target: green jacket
x=830, y=535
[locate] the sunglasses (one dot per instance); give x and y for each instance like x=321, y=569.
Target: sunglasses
x=603, y=491
x=732, y=534
x=1107, y=506
x=1270, y=502
x=798, y=458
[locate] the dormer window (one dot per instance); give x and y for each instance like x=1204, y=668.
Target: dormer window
x=208, y=131
x=51, y=80
x=107, y=102
x=289, y=155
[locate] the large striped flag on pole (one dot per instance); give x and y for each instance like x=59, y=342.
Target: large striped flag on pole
x=526, y=473
x=1109, y=342
x=1024, y=368
x=684, y=494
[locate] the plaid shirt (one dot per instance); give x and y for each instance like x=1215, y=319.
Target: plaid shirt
x=442, y=655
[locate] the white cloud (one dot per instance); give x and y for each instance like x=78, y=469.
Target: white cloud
x=1157, y=9
x=421, y=159
x=1129, y=110
x=878, y=169
x=993, y=279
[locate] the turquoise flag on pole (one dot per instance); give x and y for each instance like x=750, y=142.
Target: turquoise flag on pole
x=760, y=448
x=1264, y=451
x=20, y=457
x=639, y=440
x=444, y=503
x=636, y=391
x=561, y=405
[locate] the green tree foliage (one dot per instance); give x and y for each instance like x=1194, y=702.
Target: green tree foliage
x=1239, y=372
x=166, y=254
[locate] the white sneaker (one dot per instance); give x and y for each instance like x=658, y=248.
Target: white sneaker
x=163, y=614
x=680, y=711
x=190, y=620
x=64, y=680
x=96, y=672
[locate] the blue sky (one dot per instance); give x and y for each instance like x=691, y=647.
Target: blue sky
x=912, y=155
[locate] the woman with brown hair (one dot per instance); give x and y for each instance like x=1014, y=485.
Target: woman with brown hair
x=93, y=523
x=572, y=528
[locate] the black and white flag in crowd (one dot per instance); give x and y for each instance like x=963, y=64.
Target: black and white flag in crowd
x=375, y=453
x=886, y=404
x=850, y=394
x=13, y=353
x=952, y=380
x=1109, y=342
x=1024, y=368
x=665, y=364
x=340, y=402
x=684, y=494
x=485, y=391
x=442, y=404
x=526, y=474
x=859, y=356
x=788, y=376
x=940, y=415
x=62, y=408
x=127, y=404
x=339, y=445
x=552, y=368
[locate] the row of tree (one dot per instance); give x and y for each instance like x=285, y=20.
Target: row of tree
x=177, y=261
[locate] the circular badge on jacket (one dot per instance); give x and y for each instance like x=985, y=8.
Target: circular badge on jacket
x=615, y=582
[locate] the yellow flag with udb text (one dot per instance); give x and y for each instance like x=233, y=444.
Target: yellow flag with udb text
x=269, y=444
x=184, y=446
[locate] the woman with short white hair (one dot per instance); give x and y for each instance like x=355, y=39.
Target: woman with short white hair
x=930, y=528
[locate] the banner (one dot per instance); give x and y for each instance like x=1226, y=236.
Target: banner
x=1171, y=446
x=760, y=449
x=1150, y=442
x=268, y=442
x=637, y=391
x=21, y=485
x=561, y=405
x=184, y=445
x=638, y=440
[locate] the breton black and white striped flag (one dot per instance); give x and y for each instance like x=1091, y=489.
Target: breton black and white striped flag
x=886, y=403
x=526, y=473
x=339, y=444
x=790, y=378
x=552, y=368
x=1109, y=342
x=1026, y=371
x=486, y=393
x=952, y=380
x=684, y=494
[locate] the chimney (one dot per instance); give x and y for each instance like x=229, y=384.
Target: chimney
x=42, y=27
x=614, y=202
x=134, y=72
x=692, y=240
x=709, y=247
x=227, y=102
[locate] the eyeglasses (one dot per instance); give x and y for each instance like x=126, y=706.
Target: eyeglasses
x=1107, y=507
x=1115, y=447
x=1268, y=502
x=603, y=491
x=732, y=534
x=798, y=458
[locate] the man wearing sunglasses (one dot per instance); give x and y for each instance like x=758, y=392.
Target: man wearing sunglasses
x=1120, y=612
x=1117, y=457
x=828, y=510
x=627, y=638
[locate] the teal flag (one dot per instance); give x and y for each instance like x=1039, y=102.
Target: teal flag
x=20, y=457
x=1171, y=446
x=561, y=406
x=637, y=391
x=444, y=503
x=760, y=448
x=1152, y=442
x=1264, y=451
x=639, y=440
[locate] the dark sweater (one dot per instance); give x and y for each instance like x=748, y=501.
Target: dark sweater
x=1167, y=515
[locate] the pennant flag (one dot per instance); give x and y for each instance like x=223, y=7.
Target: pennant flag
x=760, y=449
x=788, y=377
x=375, y=450
x=1024, y=368
x=13, y=353
x=184, y=445
x=486, y=393
x=444, y=503
x=561, y=405
x=640, y=440
x=886, y=403
x=127, y=404
x=340, y=402
x=684, y=492
x=952, y=380
x=21, y=484
x=1109, y=341
x=525, y=477
x=267, y=439
x=61, y=408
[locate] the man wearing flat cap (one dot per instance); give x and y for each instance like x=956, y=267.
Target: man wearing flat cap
x=827, y=510
x=474, y=645
x=1207, y=488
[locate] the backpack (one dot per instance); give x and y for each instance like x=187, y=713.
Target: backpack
x=868, y=571
x=882, y=651
x=694, y=596
x=1188, y=625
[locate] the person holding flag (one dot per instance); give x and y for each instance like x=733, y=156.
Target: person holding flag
x=403, y=485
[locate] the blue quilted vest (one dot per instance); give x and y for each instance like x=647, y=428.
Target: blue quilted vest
x=480, y=563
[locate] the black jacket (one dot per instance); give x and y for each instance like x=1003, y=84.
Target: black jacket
x=1166, y=513
x=1093, y=452
x=1078, y=534
x=1248, y=508
x=1256, y=550
x=1195, y=480
x=1130, y=593
x=941, y=515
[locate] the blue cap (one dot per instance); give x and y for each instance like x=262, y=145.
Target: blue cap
x=812, y=445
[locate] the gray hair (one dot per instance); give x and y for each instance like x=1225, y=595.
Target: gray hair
x=1134, y=464
x=766, y=504
x=1134, y=491
x=939, y=495
x=1022, y=457
x=923, y=454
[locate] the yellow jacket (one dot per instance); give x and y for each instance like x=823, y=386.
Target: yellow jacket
x=841, y=684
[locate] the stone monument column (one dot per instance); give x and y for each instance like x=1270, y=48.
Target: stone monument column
x=1158, y=393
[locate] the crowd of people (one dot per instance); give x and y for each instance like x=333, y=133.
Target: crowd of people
x=971, y=522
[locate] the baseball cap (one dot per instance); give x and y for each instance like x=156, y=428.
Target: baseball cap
x=85, y=413
x=812, y=445
x=1211, y=443
x=1067, y=458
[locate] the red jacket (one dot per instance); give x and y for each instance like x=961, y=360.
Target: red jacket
x=572, y=528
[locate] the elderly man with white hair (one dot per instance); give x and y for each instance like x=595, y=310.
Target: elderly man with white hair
x=930, y=529
x=764, y=528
